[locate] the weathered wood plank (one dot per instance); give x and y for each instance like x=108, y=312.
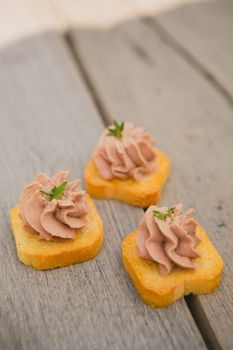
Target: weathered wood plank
x=205, y=30
x=48, y=122
x=138, y=77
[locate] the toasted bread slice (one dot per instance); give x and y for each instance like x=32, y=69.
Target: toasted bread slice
x=161, y=291
x=141, y=193
x=43, y=255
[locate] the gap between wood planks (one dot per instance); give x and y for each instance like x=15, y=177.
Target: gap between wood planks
x=193, y=304
x=93, y=93
x=188, y=57
x=202, y=322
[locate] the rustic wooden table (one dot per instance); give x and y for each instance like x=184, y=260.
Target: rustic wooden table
x=67, y=68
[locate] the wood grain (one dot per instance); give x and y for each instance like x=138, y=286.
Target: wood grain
x=204, y=30
x=49, y=122
x=136, y=76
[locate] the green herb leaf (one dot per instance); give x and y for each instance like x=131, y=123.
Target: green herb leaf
x=56, y=192
x=164, y=215
x=116, y=130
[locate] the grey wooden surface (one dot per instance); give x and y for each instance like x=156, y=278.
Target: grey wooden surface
x=135, y=75
x=204, y=30
x=50, y=122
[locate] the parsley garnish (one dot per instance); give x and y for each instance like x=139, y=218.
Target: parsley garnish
x=56, y=192
x=116, y=130
x=163, y=215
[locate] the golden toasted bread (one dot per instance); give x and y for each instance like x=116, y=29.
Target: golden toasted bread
x=43, y=255
x=141, y=193
x=161, y=291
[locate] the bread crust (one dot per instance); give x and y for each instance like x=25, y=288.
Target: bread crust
x=161, y=291
x=44, y=255
x=141, y=193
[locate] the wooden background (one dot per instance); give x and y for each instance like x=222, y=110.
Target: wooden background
x=67, y=68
